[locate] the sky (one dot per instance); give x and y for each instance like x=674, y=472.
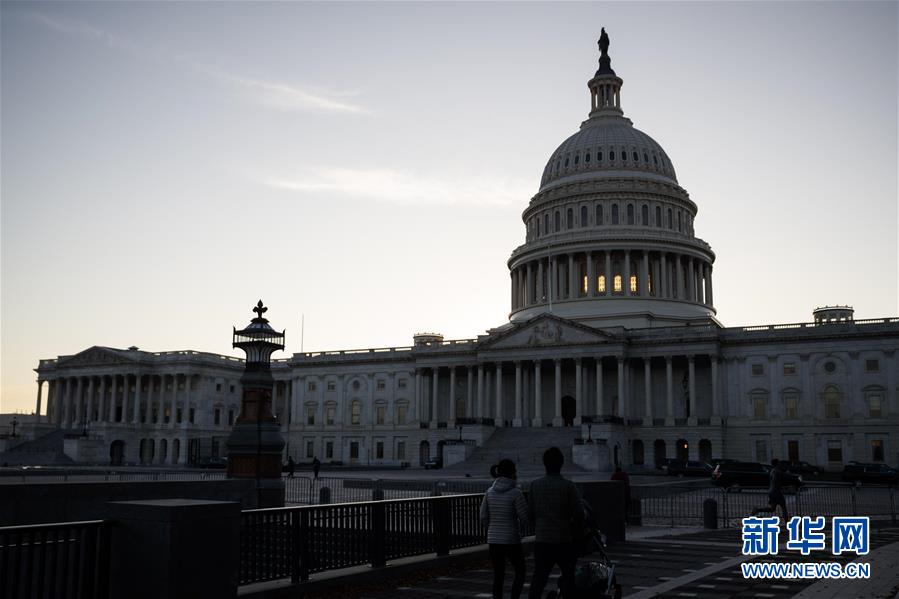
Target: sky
x=364, y=166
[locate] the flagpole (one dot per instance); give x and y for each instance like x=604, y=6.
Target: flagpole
x=302, y=330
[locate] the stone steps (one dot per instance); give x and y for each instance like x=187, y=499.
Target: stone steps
x=524, y=446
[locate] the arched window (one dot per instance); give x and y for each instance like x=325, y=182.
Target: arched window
x=356, y=413
x=569, y=218
x=601, y=283
x=611, y=154
x=583, y=216
x=636, y=157
x=566, y=161
x=587, y=158
x=616, y=287
x=759, y=401
x=874, y=399
x=791, y=403
x=633, y=283
x=599, y=156
x=832, y=399
x=546, y=223
x=644, y=215
x=599, y=215
x=624, y=155
x=558, y=221
x=638, y=452
x=655, y=160
x=670, y=220
x=645, y=157
x=630, y=214
x=680, y=226
x=538, y=227
x=658, y=216
x=705, y=450
x=659, y=452
x=402, y=407
x=614, y=214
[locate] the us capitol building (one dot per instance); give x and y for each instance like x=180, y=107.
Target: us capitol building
x=612, y=337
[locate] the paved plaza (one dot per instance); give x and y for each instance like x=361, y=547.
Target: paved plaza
x=658, y=562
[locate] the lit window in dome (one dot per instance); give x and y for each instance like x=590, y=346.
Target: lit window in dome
x=633, y=283
x=616, y=284
x=601, y=283
x=586, y=286
x=649, y=283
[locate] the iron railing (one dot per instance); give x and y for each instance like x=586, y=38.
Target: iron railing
x=298, y=541
x=69, y=559
x=682, y=505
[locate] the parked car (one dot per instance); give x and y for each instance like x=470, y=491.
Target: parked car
x=663, y=465
x=799, y=467
x=715, y=461
x=212, y=462
x=434, y=464
x=737, y=475
x=862, y=473
x=680, y=468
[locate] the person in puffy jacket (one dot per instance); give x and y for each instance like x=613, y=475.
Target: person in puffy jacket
x=502, y=509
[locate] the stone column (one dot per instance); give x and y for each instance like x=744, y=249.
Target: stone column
x=452, y=400
x=609, y=286
x=529, y=285
x=626, y=283
x=621, y=404
x=185, y=410
x=557, y=420
x=500, y=415
x=90, y=399
x=538, y=396
x=599, y=408
x=113, y=390
x=137, y=406
x=709, y=298
x=578, y=391
x=716, y=401
x=518, y=398
x=647, y=388
x=160, y=415
x=669, y=390
x=435, y=380
x=572, y=287
x=37, y=411
x=418, y=395
x=480, y=391
x=679, y=277
x=101, y=401
x=173, y=417
x=469, y=396
x=541, y=288
x=125, y=392
x=591, y=275
x=644, y=277
x=691, y=281
x=663, y=278
x=691, y=365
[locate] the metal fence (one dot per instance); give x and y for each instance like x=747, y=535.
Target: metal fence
x=40, y=476
x=295, y=542
x=55, y=560
x=682, y=505
x=302, y=490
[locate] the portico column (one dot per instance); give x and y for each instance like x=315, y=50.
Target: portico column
x=626, y=284
x=538, y=396
x=664, y=277
x=90, y=398
x=691, y=281
x=125, y=385
x=679, y=277
x=716, y=407
x=418, y=395
x=599, y=409
x=709, y=298
x=79, y=408
x=529, y=284
x=609, y=286
x=480, y=391
x=37, y=411
x=160, y=414
x=578, y=391
x=113, y=388
x=500, y=416
x=518, y=399
x=435, y=380
x=469, y=396
x=185, y=411
x=101, y=401
x=644, y=278
x=451, y=417
x=621, y=404
x=647, y=387
x=541, y=291
x=557, y=420
x=137, y=407
x=691, y=362
x=174, y=403
x=572, y=288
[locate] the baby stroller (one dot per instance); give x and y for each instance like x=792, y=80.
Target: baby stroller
x=594, y=578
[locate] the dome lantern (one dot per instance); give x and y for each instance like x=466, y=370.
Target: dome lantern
x=605, y=87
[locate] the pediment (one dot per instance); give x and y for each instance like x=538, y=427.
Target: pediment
x=547, y=330
x=95, y=356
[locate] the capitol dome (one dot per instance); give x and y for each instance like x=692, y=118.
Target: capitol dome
x=609, y=235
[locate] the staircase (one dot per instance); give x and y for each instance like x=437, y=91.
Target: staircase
x=525, y=447
x=44, y=451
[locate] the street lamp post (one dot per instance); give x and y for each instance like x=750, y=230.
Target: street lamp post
x=14, y=423
x=255, y=444
x=459, y=426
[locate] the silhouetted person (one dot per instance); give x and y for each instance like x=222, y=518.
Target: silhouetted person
x=502, y=508
x=775, y=491
x=316, y=466
x=291, y=466
x=554, y=505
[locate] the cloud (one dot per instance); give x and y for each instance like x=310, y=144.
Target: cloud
x=403, y=188
x=271, y=94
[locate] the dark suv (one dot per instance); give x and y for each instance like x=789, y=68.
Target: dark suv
x=805, y=468
x=750, y=474
x=860, y=473
x=681, y=468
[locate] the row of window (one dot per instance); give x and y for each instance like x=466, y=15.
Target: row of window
x=832, y=399
x=400, y=417
x=380, y=385
x=596, y=158
x=679, y=220
x=399, y=454
x=789, y=368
